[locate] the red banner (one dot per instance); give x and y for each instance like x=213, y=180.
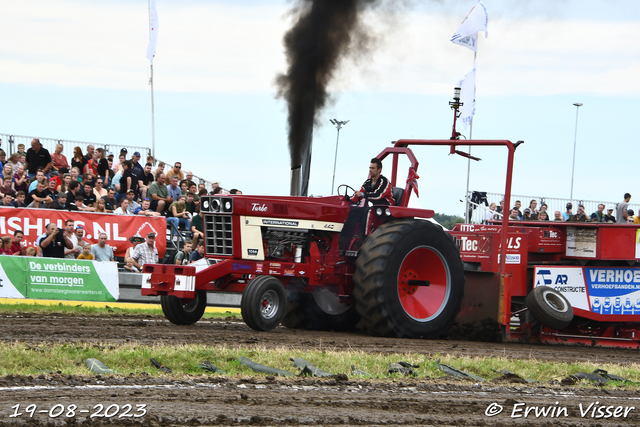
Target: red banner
x=118, y=228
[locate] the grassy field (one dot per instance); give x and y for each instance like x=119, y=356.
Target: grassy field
x=19, y=358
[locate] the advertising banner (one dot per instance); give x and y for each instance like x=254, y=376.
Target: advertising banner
x=601, y=290
x=118, y=228
x=55, y=278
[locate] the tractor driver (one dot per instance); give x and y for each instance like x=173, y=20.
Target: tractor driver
x=377, y=190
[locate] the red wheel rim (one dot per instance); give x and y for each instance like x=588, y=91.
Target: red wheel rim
x=423, y=283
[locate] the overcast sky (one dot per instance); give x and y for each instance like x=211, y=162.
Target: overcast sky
x=72, y=69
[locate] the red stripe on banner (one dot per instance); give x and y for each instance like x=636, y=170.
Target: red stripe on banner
x=119, y=228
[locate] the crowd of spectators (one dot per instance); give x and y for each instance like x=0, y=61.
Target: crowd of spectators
x=623, y=215
x=93, y=182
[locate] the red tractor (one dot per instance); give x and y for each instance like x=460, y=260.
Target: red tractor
x=307, y=263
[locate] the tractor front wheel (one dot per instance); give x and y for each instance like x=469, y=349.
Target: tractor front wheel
x=264, y=303
x=182, y=311
x=409, y=280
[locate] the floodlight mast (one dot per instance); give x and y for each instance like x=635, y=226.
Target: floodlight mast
x=338, y=124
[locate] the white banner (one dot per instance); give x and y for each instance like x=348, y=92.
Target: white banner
x=468, y=97
x=153, y=31
x=467, y=33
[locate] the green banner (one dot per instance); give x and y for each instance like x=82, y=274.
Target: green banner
x=55, y=278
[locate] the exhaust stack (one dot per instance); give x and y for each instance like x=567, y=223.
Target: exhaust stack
x=296, y=174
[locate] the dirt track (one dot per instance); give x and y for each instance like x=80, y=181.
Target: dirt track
x=275, y=401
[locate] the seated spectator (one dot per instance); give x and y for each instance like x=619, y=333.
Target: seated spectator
x=6, y=183
x=60, y=203
x=598, y=216
x=99, y=191
x=79, y=204
x=144, y=209
x=183, y=256
x=158, y=170
x=121, y=159
x=191, y=206
x=514, y=215
x=145, y=180
x=542, y=216
x=20, y=180
x=544, y=207
x=130, y=266
x=133, y=205
x=235, y=191
x=16, y=245
x=581, y=216
x=136, y=168
x=630, y=214
x=40, y=197
x=59, y=161
x=558, y=216
x=39, y=177
x=196, y=228
x=101, y=251
x=198, y=253
x=74, y=191
x=214, y=186
x=609, y=216
x=52, y=188
x=490, y=213
x=86, y=253
x=7, y=201
x=76, y=175
x=14, y=161
x=174, y=189
x=184, y=186
x=526, y=216
x=176, y=171
x=101, y=206
x=518, y=206
x=123, y=209
x=180, y=216
x=110, y=199
x=193, y=188
x=636, y=219
x=568, y=213
x=146, y=253
x=53, y=242
x=30, y=251
x=64, y=185
x=189, y=177
x=115, y=181
x=533, y=207
x=87, y=178
x=19, y=201
x=159, y=193
x=5, y=249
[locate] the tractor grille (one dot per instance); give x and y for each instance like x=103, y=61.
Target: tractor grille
x=218, y=231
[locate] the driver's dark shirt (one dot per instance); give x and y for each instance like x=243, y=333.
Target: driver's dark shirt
x=378, y=192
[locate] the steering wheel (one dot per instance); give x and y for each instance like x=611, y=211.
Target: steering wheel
x=346, y=195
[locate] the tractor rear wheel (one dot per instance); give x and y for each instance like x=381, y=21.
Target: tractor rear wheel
x=182, y=311
x=305, y=312
x=264, y=303
x=549, y=307
x=409, y=280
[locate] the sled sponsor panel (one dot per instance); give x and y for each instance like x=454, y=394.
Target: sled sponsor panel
x=62, y=279
x=602, y=290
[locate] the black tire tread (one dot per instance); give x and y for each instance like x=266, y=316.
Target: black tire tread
x=252, y=292
x=174, y=312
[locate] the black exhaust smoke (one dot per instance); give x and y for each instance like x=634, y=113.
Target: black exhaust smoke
x=323, y=33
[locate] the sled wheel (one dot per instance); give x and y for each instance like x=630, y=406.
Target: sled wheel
x=264, y=303
x=303, y=312
x=182, y=311
x=550, y=307
x=409, y=280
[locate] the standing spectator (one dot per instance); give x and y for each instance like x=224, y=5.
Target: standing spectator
x=580, y=215
x=123, y=209
x=146, y=253
x=491, y=213
x=78, y=160
x=92, y=165
x=20, y=180
x=110, y=199
x=53, y=242
x=16, y=246
x=14, y=161
x=6, y=246
x=176, y=171
x=129, y=180
x=118, y=166
x=89, y=155
x=86, y=253
x=19, y=201
x=159, y=169
x=621, y=212
x=518, y=206
x=159, y=195
x=514, y=214
x=101, y=250
x=103, y=166
x=609, y=216
x=526, y=216
x=137, y=168
x=558, y=216
x=174, y=190
x=145, y=180
x=69, y=233
x=59, y=160
x=566, y=215
x=198, y=253
x=543, y=216
x=37, y=157
x=179, y=213
x=196, y=228
x=598, y=216
x=533, y=206
x=183, y=256
x=135, y=241
x=80, y=237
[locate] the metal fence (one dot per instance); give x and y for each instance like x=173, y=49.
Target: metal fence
x=10, y=145
x=554, y=204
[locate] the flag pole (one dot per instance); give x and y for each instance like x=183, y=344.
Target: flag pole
x=153, y=127
x=467, y=218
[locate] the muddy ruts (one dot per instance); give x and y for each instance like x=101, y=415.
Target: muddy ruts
x=324, y=31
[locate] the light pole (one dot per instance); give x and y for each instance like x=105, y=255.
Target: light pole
x=575, y=139
x=338, y=124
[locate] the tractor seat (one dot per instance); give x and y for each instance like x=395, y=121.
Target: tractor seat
x=397, y=193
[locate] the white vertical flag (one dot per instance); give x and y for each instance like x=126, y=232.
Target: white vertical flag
x=153, y=31
x=468, y=96
x=467, y=33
